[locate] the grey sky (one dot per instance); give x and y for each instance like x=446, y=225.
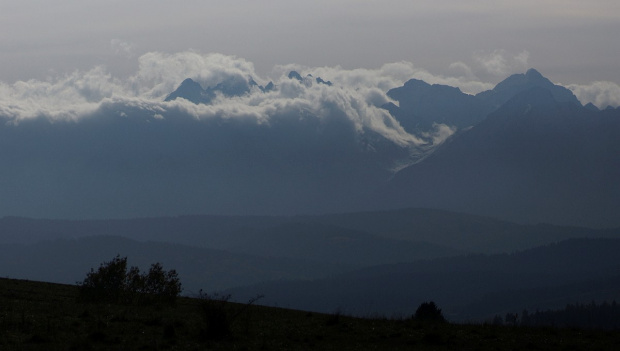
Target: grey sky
x=569, y=41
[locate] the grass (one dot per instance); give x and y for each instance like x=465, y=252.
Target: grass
x=45, y=316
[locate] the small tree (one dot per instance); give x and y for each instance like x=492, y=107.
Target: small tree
x=428, y=311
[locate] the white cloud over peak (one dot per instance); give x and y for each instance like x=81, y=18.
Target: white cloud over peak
x=501, y=62
x=354, y=97
x=160, y=73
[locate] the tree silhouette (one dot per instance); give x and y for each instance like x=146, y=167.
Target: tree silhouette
x=111, y=282
x=107, y=283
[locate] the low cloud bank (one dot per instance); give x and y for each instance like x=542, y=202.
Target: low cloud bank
x=601, y=94
x=355, y=95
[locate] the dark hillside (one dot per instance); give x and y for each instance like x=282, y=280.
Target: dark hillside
x=42, y=316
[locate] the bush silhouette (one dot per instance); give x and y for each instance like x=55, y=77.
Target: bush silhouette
x=111, y=282
x=107, y=283
x=163, y=284
x=428, y=311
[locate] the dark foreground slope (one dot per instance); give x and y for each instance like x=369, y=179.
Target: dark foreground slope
x=42, y=316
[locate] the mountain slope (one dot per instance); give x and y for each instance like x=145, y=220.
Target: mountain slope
x=232, y=86
x=517, y=83
x=534, y=159
x=421, y=105
x=115, y=166
x=192, y=91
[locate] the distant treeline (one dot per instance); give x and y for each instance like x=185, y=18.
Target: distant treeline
x=587, y=316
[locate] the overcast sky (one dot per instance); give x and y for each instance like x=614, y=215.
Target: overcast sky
x=569, y=41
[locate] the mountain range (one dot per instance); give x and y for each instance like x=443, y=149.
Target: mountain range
x=525, y=151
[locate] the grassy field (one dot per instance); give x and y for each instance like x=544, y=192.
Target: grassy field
x=45, y=316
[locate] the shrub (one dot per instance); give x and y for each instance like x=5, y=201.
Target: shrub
x=111, y=282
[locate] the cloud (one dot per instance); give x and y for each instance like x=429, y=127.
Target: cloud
x=461, y=69
x=469, y=85
x=354, y=97
x=160, y=73
x=442, y=132
x=350, y=106
x=72, y=96
x=522, y=58
x=500, y=62
x=601, y=94
x=122, y=48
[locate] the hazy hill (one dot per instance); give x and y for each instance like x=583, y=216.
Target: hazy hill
x=226, y=251
x=566, y=272
x=413, y=229
x=335, y=244
x=464, y=232
x=68, y=261
x=535, y=159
